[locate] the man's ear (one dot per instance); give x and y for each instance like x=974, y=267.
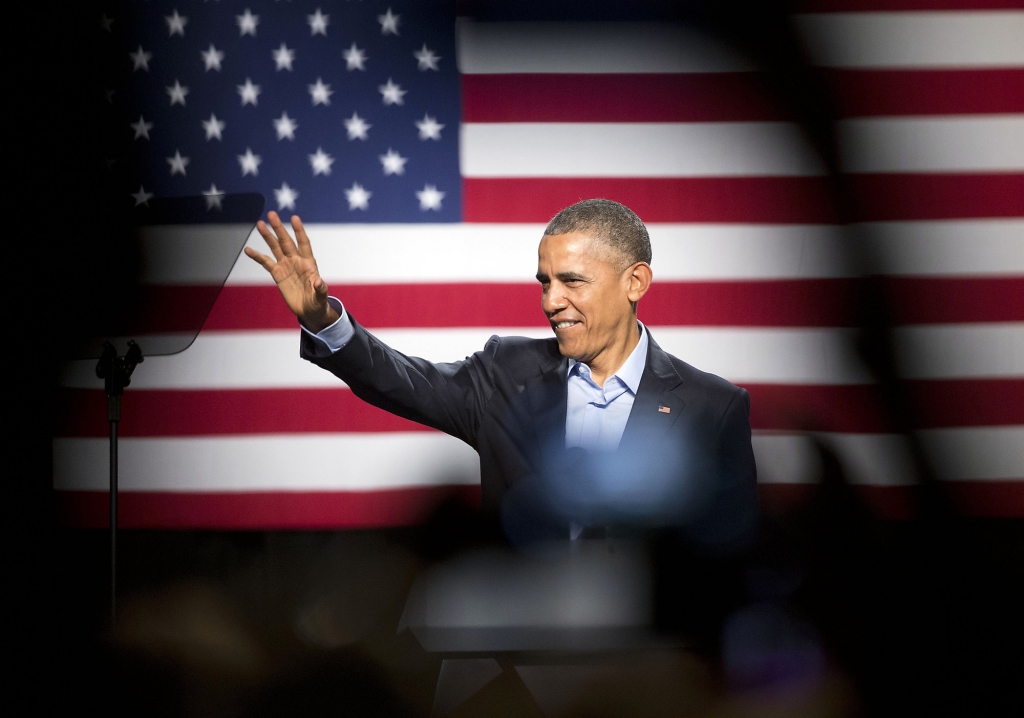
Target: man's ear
x=640, y=277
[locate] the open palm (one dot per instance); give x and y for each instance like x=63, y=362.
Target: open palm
x=295, y=272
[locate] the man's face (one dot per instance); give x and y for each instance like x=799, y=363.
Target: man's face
x=585, y=294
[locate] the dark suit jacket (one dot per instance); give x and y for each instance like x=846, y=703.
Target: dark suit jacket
x=508, y=401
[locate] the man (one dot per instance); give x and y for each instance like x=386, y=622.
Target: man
x=596, y=426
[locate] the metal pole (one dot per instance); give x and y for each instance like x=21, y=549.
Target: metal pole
x=114, y=415
x=116, y=374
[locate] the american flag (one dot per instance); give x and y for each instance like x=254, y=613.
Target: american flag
x=425, y=153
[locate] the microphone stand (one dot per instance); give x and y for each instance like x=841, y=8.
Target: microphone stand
x=116, y=373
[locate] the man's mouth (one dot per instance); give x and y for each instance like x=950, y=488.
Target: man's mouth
x=563, y=324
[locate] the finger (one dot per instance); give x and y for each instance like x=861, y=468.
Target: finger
x=283, y=238
x=270, y=239
x=301, y=238
x=266, y=262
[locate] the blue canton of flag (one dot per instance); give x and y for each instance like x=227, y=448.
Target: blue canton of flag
x=339, y=111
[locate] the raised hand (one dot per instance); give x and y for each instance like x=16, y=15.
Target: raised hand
x=295, y=272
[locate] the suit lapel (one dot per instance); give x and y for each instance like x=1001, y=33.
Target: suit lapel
x=547, y=395
x=648, y=420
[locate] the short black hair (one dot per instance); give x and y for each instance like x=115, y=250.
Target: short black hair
x=614, y=224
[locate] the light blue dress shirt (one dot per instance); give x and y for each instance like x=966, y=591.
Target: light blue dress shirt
x=595, y=416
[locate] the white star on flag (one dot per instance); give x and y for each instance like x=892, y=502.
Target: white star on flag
x=178, y=163
x=355, y=59
x=286, y=196
x=394, y=163
x=175, y=24
x=318, y=23
x=250, y=163
x=426, y=58
x=106, y=22
x=285, y=127
x=430, y=197
x=141, y=128
x=389, y=23
x=177, y=93
x=212, y=58
x=321, y=162
x=142, y=196
x=357, y=127
x=247, y=23
x=214, y=197
x=283, y=57
x=213, y=127
x=358, y=198
x=391, y=93
x=249, y=93
x=140, y=59
x=320, y=93
x=430, y=128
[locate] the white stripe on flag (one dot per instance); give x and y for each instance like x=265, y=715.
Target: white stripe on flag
x=270, y=358
x=949, y=247
x=915, y=39
x=284, y=462
x=933, y=144
x=356, y=462
x=645, y=149
x=993, y=453
x=990, y=453
x=395, y=253
x=875, y=459
x=589, y=47
x=351, y=254
x=942, y=351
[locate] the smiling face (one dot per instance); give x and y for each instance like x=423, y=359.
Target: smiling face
x=587, y=297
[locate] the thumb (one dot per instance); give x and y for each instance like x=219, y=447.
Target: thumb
x=319, y=286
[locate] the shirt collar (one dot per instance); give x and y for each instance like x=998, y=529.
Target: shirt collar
x=632, y=369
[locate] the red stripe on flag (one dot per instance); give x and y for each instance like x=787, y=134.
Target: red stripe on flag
x=927, y=92
x=691, y=97
x=788, y=407
x=773, y=303
x=884, y=197
x=940, y=403
x=731, y=96
x=932, y=300
x=790, y=302
x=407, y=507
x=259, y=510
x=842, y=408
x=221, y=412
x=157, y=308
x=799, y=302
x=768, y=200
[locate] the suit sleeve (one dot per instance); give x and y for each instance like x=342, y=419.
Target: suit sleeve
x=732, y=519
x=450, y=397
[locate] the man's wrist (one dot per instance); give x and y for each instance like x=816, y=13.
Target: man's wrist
x=316, y=325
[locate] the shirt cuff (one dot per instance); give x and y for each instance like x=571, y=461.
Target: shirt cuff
x=331, y=339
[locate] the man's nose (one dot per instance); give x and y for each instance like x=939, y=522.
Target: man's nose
x=553, y=301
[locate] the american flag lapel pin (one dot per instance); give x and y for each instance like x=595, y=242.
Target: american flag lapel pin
x=664, y=409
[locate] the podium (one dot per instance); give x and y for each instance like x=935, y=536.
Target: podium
x=554, y=617
x=183, y=250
